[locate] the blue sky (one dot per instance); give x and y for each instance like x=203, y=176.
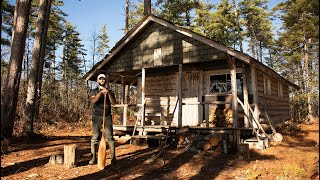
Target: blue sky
x=90, y=15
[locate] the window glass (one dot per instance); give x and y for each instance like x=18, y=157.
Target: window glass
x=222, y=83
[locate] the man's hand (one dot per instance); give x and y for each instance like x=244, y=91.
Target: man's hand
x=104, y=91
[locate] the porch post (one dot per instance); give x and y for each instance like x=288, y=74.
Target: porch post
x=254, y=93
x=180, y=96
x=123, y=103
x=234, y=91
x=143, y=80
x=200, y=106
x=245, y=96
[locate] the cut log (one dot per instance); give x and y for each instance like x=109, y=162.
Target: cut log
x=206, y=146
x=70, y=156
x=214, y=140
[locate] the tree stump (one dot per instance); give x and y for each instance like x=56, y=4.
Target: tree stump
x=70, y=156
x=244, y=151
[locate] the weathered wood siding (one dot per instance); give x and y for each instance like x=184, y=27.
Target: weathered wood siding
x=161, y=96
x=277, y=107
x=175, y=47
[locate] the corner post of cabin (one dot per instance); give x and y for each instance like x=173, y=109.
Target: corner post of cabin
x=232, y=66
x=200, y=106
x=245, y=96
x=143, y=80
x=123, y=101
x=254, y=93
x=180, y=96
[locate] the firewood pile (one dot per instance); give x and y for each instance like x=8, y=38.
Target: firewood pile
x=219, y=117
x=198, y=143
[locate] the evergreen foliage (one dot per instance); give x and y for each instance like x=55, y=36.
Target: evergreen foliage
x=103, y=40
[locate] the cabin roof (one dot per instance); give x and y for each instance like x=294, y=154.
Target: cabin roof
x=140, y=27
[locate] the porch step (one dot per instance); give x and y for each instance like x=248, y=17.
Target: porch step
x=157, y=136
x=254, y=143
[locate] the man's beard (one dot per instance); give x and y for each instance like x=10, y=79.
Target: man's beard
x=102, y=84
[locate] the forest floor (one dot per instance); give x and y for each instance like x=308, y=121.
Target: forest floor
x=296, y=157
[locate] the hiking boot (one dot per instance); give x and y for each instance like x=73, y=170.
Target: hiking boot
x=94, y=157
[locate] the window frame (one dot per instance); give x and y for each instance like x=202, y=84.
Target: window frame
x=226, y=74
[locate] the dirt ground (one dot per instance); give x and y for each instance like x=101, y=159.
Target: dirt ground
x=296, y=157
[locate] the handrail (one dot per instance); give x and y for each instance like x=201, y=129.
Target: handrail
x=256, y=121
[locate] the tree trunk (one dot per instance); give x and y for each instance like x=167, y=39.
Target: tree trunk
x=147, y=7
x=127, y=17
x=306, y=59
x=42, y=56
x=260, y=50
x=34, y=70
x=252, y=43
x=9, y=102
x=237, y=24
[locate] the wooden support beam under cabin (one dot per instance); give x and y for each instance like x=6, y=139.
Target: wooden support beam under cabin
x=179, y=122
x=254, y=88
x=143, y=101
x=245, y=96
x=233, y=74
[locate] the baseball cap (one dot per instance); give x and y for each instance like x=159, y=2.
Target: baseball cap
x=101, y=76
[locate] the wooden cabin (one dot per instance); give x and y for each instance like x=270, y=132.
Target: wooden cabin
x=185, y=79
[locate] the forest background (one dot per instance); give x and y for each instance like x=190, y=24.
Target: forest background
x=38, y=87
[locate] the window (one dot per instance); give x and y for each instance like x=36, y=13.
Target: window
x=222, y=83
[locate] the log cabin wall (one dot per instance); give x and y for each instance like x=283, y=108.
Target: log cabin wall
x=161, y=96
x=160, y=46
x=271, y=99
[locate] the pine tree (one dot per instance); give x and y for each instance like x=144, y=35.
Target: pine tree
x=9, y=101
x=178, y=11
x=103, y=40
x=300, y=47
x=257, y=25
x=6, y=22
x=33, y=83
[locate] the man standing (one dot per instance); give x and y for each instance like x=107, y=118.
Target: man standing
x=97, y=98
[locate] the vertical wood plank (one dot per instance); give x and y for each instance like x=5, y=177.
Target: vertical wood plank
x=234, y=91
x=123, y=97
x=200, y=108
x=143, y=82
x=180, y=96
x=254, y=93
x=107, y=77
x=245, y=97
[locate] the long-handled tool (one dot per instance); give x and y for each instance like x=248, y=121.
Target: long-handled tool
x=102, y=145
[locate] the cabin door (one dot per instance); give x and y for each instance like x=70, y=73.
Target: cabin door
x=190, y=94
